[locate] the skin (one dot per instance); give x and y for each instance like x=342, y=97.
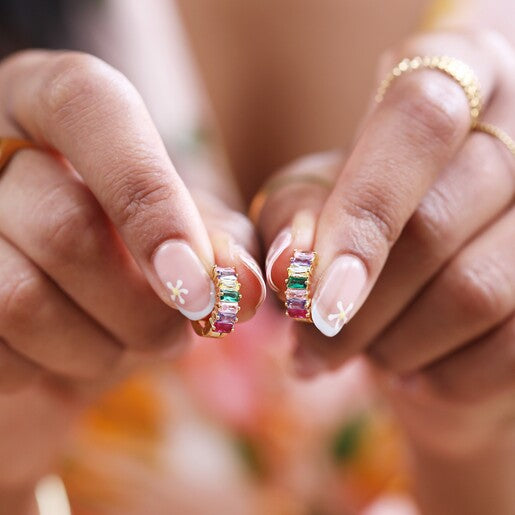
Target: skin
x=444, y=360
x=393, y=219
x=435, y=233
x=81, y=304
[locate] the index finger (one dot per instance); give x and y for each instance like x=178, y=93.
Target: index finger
x=90, y=113
x=406, y=142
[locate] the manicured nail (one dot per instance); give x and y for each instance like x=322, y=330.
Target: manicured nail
x=251, y=264
x=189, y=287
x=337, y=294
x=303, y=229
x=279, y=245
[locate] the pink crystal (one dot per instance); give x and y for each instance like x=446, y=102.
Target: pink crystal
x=292, y=293
x=228, y=308
x=302, y=258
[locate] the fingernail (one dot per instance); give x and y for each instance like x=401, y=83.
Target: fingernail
x=303, y=229
x=279, y=245
x=189, y=287
x=251, y=264
x=337, y=294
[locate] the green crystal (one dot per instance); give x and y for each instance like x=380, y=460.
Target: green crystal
x=298, y=283
x=229, y=296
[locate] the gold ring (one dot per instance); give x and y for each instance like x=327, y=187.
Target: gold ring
x=260, y=198
x=498, y=133
x=454, y=68
x=9, y=147
x=221, y=321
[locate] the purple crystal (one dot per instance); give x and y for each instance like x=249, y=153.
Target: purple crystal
x=296, y=304
x=226, y=318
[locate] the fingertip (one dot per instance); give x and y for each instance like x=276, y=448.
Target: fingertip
x=274, y=273
x=252, y=266
x=229, y=253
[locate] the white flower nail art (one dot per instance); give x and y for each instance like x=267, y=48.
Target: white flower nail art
x=176, y=291
x=342, y=316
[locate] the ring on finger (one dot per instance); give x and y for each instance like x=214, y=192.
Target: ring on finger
x=9, y=147
x=454, y=68
x=258, y=202
x=498, y=133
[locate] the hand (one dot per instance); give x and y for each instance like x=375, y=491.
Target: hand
x=418, y=232
x=99, y=239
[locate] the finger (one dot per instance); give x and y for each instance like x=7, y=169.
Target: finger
x=288, y=217
x=470, y=193
x=480, y=371
x=91, y=114
x=16, y=372
x=235, y=245
x=412, y=135
x=474, y=293
x=41, y=324
x=473, y=190
x=48, y=213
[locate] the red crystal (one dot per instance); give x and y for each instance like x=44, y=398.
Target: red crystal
x=223, y=327
x=297, y=313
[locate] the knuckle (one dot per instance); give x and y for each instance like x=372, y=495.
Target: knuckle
x=21, y=297
x=481, y=288
x=75, y=84
x=133, y=191
x=431, y=229
x=75, y=229
x=435, y=106
x=373, y=211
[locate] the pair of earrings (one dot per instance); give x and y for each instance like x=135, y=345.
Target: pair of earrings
x=222, y=320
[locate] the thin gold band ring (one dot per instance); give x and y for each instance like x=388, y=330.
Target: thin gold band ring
x=498, y=133
x=258, y=202
x=9, y=147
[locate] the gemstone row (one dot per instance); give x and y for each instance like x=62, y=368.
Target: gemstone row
x=297, y=285
x=224, y=316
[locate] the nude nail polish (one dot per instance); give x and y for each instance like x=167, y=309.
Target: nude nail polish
x=337, y=294
x=251, y=264
x=188, y=285
x=279, y=245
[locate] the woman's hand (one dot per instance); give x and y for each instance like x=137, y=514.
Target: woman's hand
x=417, y=232
x=99, y=240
